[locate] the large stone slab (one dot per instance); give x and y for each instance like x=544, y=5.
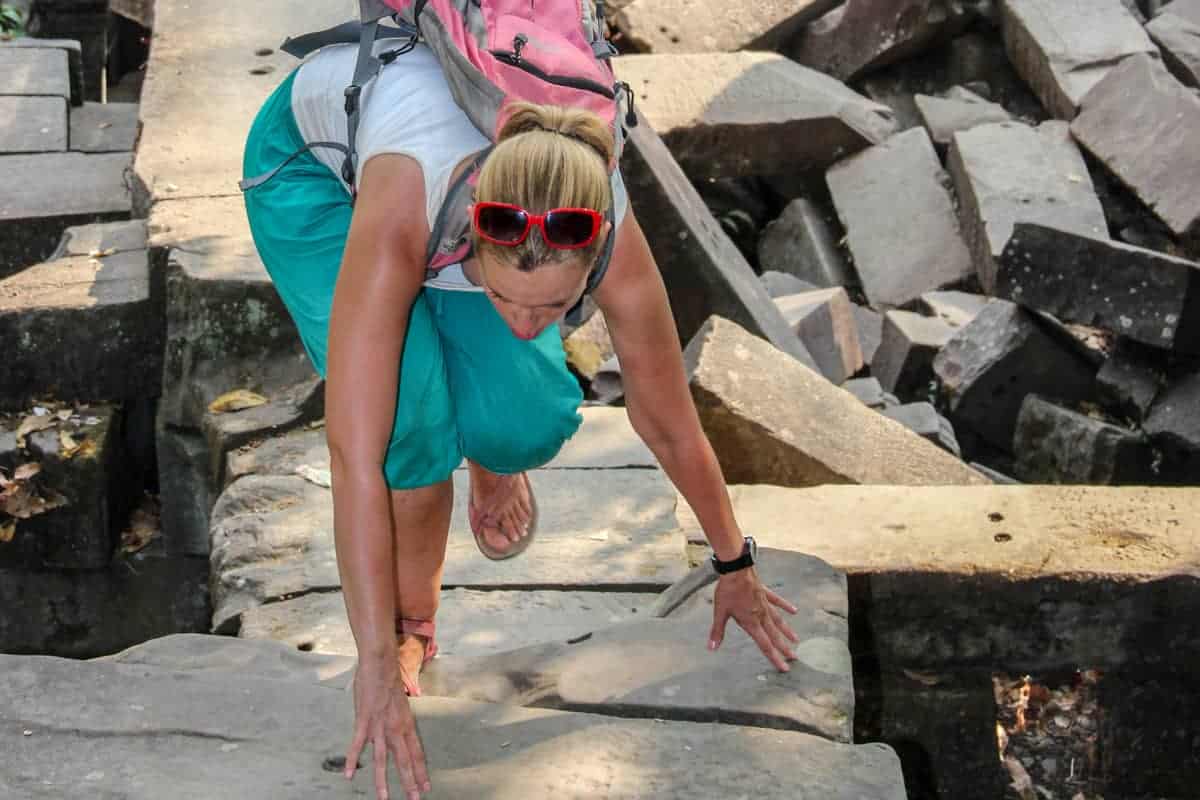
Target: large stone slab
x=1058, y=445
x=1062, y=48
x=824, y=321
x=188, y=111
x=226, y=326
x=470, y=623
x=88, y=613
x=1139, y=102
x=1048, y=576
x=900, y=256
x=1138, y=293
x=958, y=110
x=218, y=721
x=904, y=361
x=750, y=113
x=33, y=124
x=272, y=537
x=772, y=420
x=801, y=243
x=42, y=194
x=81, y=328
x=1008, y=172
x=104, y=238
x=74, y=55
x=104, y=127
x=703, y=271
x=989, y=366
x=1176, y=31
x=687, y=26
x=861, y=35
x=34, y=71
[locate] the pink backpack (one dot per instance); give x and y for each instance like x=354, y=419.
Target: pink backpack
x=493, y=53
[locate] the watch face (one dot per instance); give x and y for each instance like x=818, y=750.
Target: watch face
x=753, y=549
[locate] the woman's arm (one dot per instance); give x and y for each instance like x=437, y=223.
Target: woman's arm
x=659, y=403
x=382, y=272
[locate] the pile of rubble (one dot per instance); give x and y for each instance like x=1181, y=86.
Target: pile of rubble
x=979, y=219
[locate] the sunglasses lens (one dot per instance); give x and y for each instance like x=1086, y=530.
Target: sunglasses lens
x=502, y=224
x=569, y=228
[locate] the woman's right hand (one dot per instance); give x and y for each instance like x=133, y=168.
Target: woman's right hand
x=382, y=716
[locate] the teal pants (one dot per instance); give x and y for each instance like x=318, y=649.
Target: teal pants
x=468, y=386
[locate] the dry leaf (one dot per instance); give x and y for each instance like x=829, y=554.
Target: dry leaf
x=1021, y=782
x=33, y=424
x=27, y=471
x=67, y=444
x=8, y=530
x=144, y=526
x=924, y=678
x=236, y=400
x=317, y=475
x=63, y=414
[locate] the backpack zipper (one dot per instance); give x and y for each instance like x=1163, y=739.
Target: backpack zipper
x=513, y=58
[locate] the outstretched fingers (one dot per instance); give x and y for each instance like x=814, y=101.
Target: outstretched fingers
x=758, y=632
x=779, y=602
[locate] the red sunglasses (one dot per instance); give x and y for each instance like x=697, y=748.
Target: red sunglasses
x=562, y=228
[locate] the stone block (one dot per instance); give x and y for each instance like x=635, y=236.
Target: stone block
x=105, y=238
x=34, y=71
x=185, y=494
x=82, y=533
x=1137, y=293
x=81, y=328
x=226, y=326
x=951, y=576
x=870, y=330
x=278, y=455
x=861, y=35
x=1138, y=102
x=104, y=128
x=272, y=537
x=958, y=110
x=1062, y=48
x=72, y=189
x=779, y=284
x=923, y=420
x=824, y=321
x=956, y=309
x=703, y=272
x=33, y=124
x=74, y=54
x=1176, y=31
x=771, y=420
x=1009, y=172
x=900, y=256
x=471, y=623
x=686, y=26
x=1058, y=445
x=589, y=346
x=870, y=393
x=287, y=407
x=1174, y=424
x=987, y=369
x=800, y=242
x=904, y=361
x=1127, y=383
x=80, y=614
x=258, y=694
x=750, y=113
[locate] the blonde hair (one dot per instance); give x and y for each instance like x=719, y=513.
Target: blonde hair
x=547, y=157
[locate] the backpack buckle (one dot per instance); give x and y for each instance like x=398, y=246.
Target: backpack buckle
x=352, y=93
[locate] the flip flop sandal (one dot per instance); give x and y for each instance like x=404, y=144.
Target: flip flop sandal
x=516, y=549
x=426, y=629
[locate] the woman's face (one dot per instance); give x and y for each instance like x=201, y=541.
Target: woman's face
x=531, y=301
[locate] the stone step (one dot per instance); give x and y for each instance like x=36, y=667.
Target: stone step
x=81, y=328
x=750, y=113
x=272, y=537
x=951, y=576
x=104, y=127
x=42, y=194
x=72, y=50
x=105, y=237
x=87, y=478
x=232, y=709
x=34, y=72
x=33, y=124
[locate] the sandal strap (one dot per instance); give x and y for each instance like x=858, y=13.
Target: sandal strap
x=416, y=627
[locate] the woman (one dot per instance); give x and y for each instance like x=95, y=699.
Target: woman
x=481, y=373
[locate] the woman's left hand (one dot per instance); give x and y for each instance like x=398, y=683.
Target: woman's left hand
x=741, y=595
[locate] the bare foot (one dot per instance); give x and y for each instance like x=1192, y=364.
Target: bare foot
x=410, y=652
x=501, y=507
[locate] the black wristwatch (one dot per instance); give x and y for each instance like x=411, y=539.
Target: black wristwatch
x=747, y=559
